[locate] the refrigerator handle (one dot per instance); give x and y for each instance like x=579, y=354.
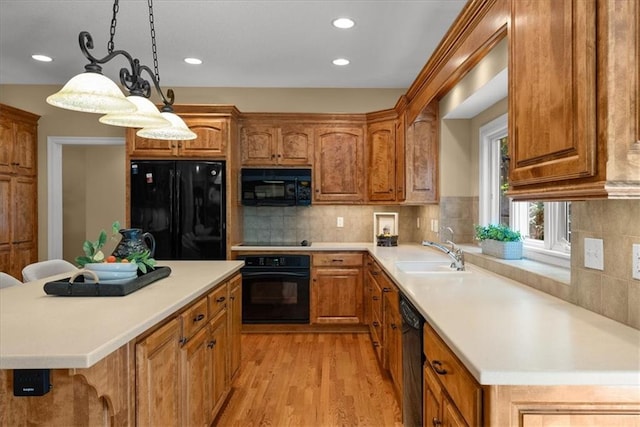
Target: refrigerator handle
x=172, y=185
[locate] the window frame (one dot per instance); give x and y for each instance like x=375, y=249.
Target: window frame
x=554, y=249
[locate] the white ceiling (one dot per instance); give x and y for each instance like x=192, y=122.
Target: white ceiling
x=243, y=43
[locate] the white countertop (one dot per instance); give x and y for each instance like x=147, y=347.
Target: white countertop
x=43, y=331
x=507, y=333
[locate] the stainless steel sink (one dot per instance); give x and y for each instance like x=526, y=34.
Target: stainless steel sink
x=422, y=267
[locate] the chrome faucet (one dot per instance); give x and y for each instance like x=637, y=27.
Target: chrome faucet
x=455, y=254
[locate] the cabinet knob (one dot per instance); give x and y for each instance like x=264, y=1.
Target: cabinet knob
x=376, y=298
x=221, y=299
x=211, y=344
x=376, y=344
x=393, y=326
x=198, y=318
x=436, y=422
x=183, y=340
x=386, y=289
x=232, y=298
x=437, y=366
x=376, y=324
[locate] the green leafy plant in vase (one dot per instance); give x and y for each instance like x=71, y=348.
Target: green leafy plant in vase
x=93, y=252
x=499, y=240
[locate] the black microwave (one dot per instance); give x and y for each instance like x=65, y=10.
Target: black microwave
x=276, y=187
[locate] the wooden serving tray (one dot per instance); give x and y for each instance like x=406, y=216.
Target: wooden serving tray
x=77, y=288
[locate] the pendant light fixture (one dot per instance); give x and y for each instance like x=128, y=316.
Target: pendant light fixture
x=92, y=92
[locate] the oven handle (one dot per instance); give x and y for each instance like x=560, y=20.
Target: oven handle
x=271, y=274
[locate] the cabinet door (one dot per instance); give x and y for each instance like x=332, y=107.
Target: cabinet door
x=7, y=145
x=6, y=213
x=138, y=146
x=450, y=415
x=432, y=395
x=393, y=344
x=211, y=141
x=218, y=350
x=235, y=324
x=158, y=385
x=295, y=146
x=258, y=145
x=196, y=384
x=421, y=155
x=25, y=218
x=336, y=295
x=400, y=159
x=552, y=91
x=382, y=161
x=24, y=152
x=339, y=164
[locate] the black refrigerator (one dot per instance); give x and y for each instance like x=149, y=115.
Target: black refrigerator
x=182, y=204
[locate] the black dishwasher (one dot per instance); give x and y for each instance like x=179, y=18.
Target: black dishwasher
x=412, y=361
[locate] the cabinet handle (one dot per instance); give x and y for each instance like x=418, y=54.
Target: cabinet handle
x=173, y=145
x=183, y=340
x=386, y=289
x=437, y=366
x=376, y=298
x=221, y=299
x=393, y=326
x=232, y=298
x=436, y=422
x=337, y=260
x=374, y=273
x=15, y=163
x=198, y=318
x=211, y=344
x=376, y=344
x=376, y=324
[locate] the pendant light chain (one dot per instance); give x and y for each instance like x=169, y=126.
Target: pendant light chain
x=112, y=28
x=154, y=48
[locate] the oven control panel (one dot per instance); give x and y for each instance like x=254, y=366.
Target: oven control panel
x=277, y=261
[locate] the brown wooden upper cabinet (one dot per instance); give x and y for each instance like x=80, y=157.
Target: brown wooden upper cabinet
x=211, y=142
x=18, y=141
x=338, y=172
x=574, y=103
x=421, y=146
x=289, y=145
x=382, y=165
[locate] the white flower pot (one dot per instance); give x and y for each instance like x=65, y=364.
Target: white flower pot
x=504, y=250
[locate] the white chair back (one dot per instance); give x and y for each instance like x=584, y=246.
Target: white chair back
x=7, y=280
x=39, y=270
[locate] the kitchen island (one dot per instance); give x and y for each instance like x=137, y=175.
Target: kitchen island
x=93, y=344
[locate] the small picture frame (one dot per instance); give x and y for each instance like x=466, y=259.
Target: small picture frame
x=384, y=221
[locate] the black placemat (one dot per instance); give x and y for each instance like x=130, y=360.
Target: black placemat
x=78, y=288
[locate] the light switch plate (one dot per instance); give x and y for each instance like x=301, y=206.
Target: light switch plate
x=635, y=263
x=340, y=222
x=593, y=254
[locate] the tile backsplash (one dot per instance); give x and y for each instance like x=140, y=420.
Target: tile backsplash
x=318, y=223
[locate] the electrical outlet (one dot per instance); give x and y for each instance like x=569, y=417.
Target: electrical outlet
x=340, y=222
x=635, y=263
x=593, y=254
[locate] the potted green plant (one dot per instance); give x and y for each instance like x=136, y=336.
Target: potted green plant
x=499, y=241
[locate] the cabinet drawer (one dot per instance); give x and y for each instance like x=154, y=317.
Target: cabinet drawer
x=218, y=299
x=337, y=260
x=194, y=318
x=457, y=381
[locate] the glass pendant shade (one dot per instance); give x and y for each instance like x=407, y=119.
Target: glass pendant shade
x=91, y=93
x=147, y=115
x=177, y=131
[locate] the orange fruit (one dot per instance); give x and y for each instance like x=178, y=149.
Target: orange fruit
x=111, y=258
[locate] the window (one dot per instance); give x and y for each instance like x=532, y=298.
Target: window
x=546, y=226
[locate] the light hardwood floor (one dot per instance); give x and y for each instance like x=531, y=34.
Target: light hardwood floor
x=313, y=379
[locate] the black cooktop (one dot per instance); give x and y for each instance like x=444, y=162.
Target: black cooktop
x=274, y=244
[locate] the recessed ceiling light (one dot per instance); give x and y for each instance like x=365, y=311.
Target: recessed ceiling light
x=341, y=61
x=193, y=61
x=42, y=58
x=343, y=23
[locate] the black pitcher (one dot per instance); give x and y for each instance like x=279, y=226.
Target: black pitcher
x=134, y=241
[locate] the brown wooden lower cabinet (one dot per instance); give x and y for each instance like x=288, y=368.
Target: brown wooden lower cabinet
x=336, y=288
x=452, y=397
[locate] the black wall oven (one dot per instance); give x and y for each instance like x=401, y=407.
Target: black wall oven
x=275, y=288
